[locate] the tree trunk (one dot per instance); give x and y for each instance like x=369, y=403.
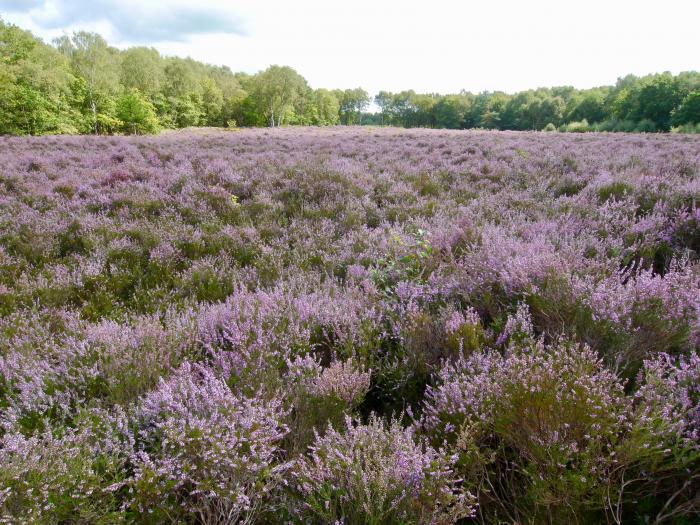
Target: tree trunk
x=94, y=114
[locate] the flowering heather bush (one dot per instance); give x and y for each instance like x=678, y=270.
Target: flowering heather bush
x=532, y=301
x=378, y=474
x=650, y=310
x=67, y=478
x=670, y=397
x=342, y=380
x=548, y=430
x=536, y=427
x=658, y=462
x=322, y=397
x=201, y=450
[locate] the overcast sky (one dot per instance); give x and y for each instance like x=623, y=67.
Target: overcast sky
x=429, y=45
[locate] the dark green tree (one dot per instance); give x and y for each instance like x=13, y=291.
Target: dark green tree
x=689, y=110
x=657, y=97
x=450, y=111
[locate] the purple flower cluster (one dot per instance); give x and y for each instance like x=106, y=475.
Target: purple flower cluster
x=379, y=474
x=669, y=398
x=343, y=380
x=50, y=477
x=199, y=446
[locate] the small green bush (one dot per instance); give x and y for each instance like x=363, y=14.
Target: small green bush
x=577, y=127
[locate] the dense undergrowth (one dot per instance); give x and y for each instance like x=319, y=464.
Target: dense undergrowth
x=350, y=326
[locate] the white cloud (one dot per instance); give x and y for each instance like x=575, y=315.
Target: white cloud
x=131, y=20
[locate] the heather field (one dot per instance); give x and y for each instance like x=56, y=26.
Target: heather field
x=351, y=326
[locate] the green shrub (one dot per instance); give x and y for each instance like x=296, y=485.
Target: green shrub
x=645, y=126
x=687, y=128
x=577, y=127
x=614, y=190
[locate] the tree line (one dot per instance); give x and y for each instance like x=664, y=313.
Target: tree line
x=658, y=102
x=80, y=84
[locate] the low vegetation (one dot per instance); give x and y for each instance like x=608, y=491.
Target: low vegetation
x=350, y=325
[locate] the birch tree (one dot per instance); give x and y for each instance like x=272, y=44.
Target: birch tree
x=94, y=61
x=276, y=91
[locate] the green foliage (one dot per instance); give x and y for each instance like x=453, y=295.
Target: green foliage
x=142, y=68
x=352, y=103
x=327, y=108
x=137, y=115
x=615, y=190
x=657, y=98
x=212, y=102
x=645, y=126
x=451, y=111
x=97, y=64
x=35, y=83
x=589, y=106
x=689, y=110
x=686, y=128
x=277, y=92
x=186, y=111
x=577, y=127
x=407, y=263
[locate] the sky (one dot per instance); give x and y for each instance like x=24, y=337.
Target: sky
x=430, y=46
